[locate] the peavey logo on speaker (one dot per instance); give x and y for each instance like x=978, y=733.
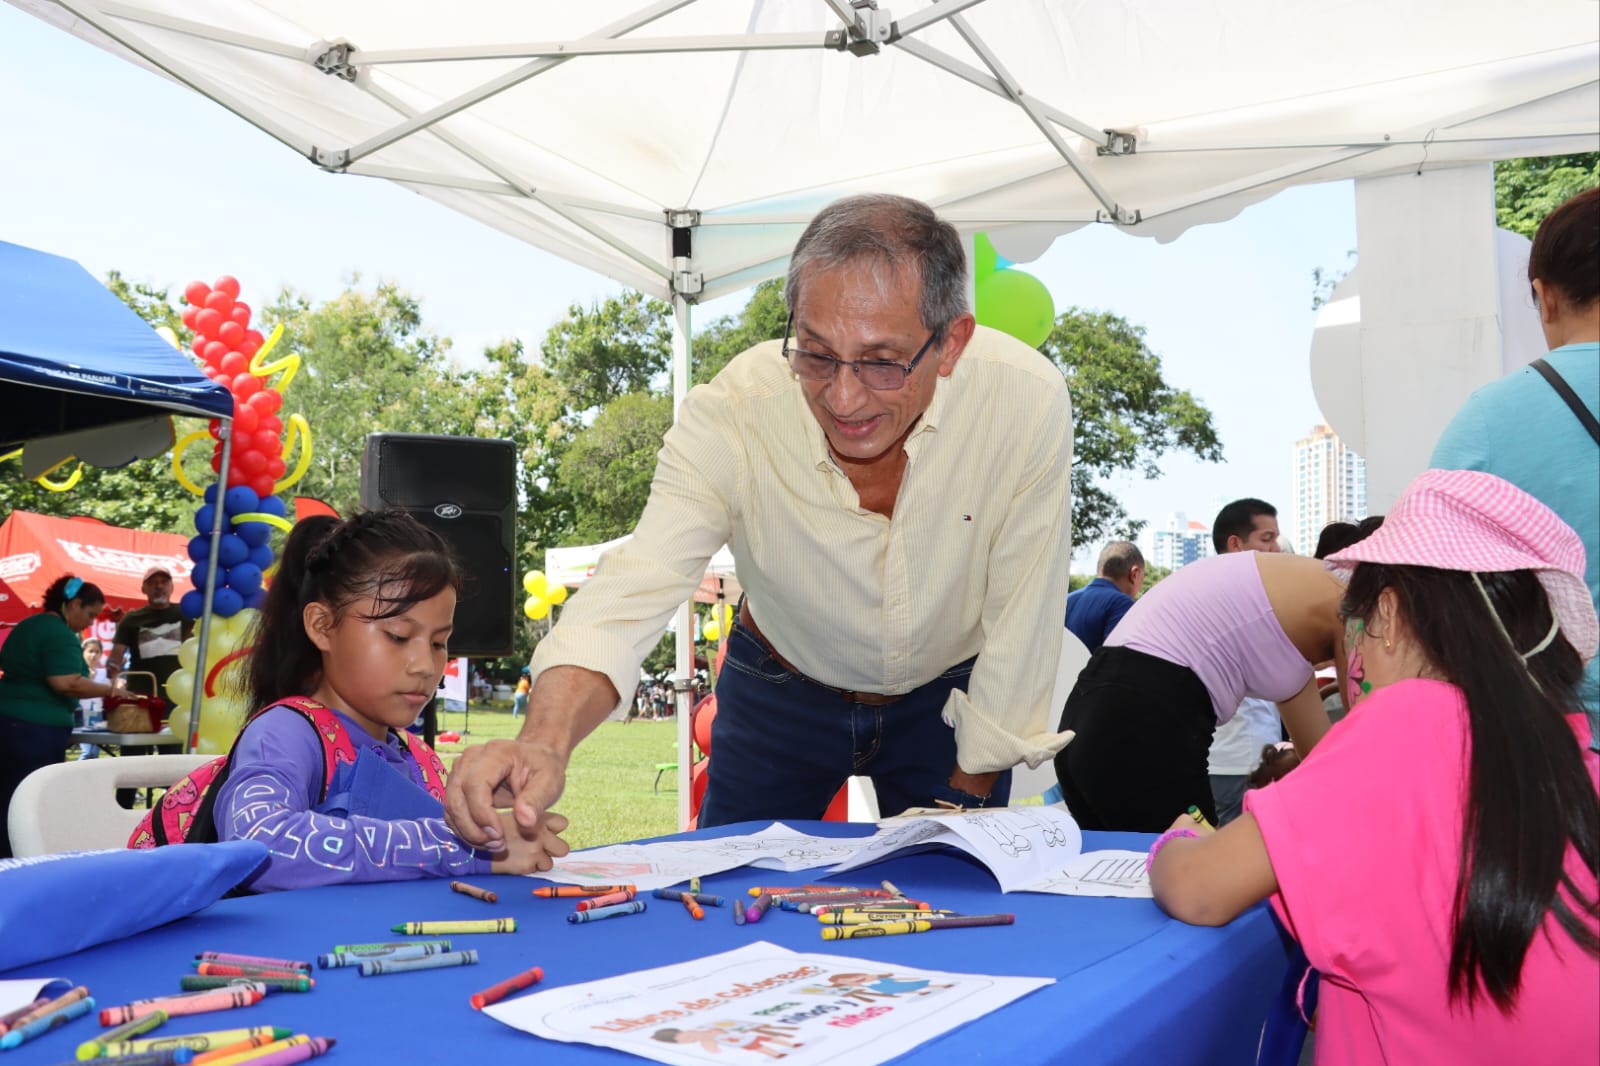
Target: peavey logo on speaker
x=448, y=510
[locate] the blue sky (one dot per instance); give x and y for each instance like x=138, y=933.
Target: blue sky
x=121, y=169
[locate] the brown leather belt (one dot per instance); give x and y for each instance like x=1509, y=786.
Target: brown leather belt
x=867, y=699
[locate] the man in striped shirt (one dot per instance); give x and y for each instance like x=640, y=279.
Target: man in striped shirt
x=894, y=483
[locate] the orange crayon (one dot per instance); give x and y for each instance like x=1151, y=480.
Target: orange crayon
x=576, y=891
x=692, y=907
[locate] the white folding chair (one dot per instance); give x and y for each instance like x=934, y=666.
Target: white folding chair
x=72, y=806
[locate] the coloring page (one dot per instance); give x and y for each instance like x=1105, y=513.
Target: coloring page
x=1099, y=873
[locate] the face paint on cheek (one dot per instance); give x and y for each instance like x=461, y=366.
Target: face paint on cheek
x=1356, y=683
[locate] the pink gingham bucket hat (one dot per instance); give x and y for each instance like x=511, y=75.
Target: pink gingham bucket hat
x=1472, y=521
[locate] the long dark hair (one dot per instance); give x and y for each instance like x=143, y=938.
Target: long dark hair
x=1529, y=797
x=384, y=558
x=55, y=597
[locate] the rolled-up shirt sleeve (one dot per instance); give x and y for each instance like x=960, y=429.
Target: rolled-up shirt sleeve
x=1004, y=717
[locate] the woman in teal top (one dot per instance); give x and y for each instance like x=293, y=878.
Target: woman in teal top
x=44, y=678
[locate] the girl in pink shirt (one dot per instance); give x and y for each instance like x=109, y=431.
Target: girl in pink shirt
x=1438, y=855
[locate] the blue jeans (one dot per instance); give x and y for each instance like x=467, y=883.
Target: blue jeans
x=24, y=748
x=782, y=745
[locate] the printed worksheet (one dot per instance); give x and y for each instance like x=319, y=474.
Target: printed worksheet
x=669, y=862
x=1099, y=873
x=762, y=1002
x=1020, y=845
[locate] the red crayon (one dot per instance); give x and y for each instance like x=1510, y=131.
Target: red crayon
x=252, y=960
x=224, y=969
x=495, y=993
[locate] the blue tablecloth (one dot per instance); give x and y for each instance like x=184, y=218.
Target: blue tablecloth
x=1132, y=986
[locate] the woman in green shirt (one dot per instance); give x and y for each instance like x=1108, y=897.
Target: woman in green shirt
x=44, y=678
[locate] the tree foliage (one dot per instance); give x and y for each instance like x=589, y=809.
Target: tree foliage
x=1125, y=415
x=609, y=465
x=620, y=346
x=762, y=319
x=1526, y=190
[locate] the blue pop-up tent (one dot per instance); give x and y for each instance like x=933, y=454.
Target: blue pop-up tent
x=74, y=357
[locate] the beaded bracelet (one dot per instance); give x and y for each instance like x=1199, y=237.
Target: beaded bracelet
x=1161, y=842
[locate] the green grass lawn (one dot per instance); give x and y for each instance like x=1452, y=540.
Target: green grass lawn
x=608, y=796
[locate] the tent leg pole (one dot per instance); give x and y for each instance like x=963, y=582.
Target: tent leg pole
x=193, y=741
x=681, y=355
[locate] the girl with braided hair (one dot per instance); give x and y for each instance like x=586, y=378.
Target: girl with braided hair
x=350, y=645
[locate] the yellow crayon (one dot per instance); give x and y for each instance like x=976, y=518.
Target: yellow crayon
x=856, y=932
x=482, y=925
x=863, y=917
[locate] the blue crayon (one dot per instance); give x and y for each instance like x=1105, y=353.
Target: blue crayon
x=378, y=967
x=15, y=1037
x=738, y=911
x=616, y=910
x=699, y=897
x=355, y=958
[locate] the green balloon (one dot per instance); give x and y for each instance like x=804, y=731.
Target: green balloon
x=985, y=260
x=1016, y=303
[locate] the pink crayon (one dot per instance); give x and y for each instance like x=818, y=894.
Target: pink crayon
x=189, y=1003
x=251, y=960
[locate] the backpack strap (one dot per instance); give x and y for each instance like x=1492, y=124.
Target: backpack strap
x=428, y=762
x=1564, y=390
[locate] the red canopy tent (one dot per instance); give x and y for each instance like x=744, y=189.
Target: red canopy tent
x=36, y=549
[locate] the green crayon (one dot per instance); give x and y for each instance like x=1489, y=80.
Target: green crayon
x=94, y=1049
x=197, y=982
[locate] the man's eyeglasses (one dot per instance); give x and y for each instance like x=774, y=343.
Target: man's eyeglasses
x=877, y=374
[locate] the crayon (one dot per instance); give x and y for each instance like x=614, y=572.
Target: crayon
x=606, y=900
x=495, y=993
x=793, y=900
x=862, y=917
x=10, y=1016
x=856, y=932
x=295, y=1049
x=40, y=1007
x=738, y=911
x=251, y=960
x=16, y=1035
x=480, y=925
x=754, y=912
x=1199, y=819
x=262, y=1038
x=571, y=891
x=410, y=951
x=896, y=906
x=616, y=910
x=96, y=1048
x=169, y=1057
x=185, y=1003
x=804, y=906
x=694, y=885
x=444, y=960
x=361, y=949
x=264, y=1052
x=196, y=1042
x=226, y=969
x=889, y=888
x=699, y=897
x=807, y=890
x=200, y=982
x=474, y=891
x=692, y=907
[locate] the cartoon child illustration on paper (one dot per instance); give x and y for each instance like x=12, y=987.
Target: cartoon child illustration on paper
x=733, y=1036
x=884, y=984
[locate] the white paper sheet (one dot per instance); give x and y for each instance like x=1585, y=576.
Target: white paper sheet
x=1099, y=873
x=1019, y=845
x=671, y=862
x=14, y=995
x=763, y=1001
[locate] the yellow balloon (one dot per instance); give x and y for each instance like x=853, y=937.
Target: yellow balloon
x=180, y=685
x=727, y=616
x=166, y=334
x=178, y=721
x=556, y=595
x=189, y=654
x=534, y=583
x=711, y=631
x=536, y=608
x=220, y=721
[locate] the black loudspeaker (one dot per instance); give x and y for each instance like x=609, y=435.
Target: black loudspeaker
x=464, y=489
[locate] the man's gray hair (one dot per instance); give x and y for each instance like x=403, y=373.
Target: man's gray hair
x=879, y=230
x=1118, y=559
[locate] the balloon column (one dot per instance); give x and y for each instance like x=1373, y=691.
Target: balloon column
x=248, y=457
x=541, y=595
x=1009, y=300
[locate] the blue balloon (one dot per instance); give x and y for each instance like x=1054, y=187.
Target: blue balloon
x=225, y=603
x=211, y=493
x=198, y=578
x=232, y=550
x=274, y=506
x=255, y=534
x=254, y=599
x=199, y=551
x=263, y=556
x=192, y=604
x=244, y=578
x=205, y=518
x=240, y=499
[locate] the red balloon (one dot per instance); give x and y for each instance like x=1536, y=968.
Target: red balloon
x=214, y=352
x=261, y=485
x=216, y=464
x=243, y=442
x=234, y=363
x=240, y=314
x=196, y=292
x=219, y=302
x=246, y=385
x=254, y=336
x=246, y=419
x=270, y=424
x=215, y=428
x=210, y=372
x=236, y=478
x=188, y=316
x=207, y=322
x=267, y=401
x=228, y=284
x=230, y=333
x=251, y=462
x=276, y=467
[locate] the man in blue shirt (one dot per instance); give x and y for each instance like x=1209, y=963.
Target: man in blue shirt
x=1094, y=610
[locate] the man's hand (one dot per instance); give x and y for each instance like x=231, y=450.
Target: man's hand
x=973, y=784
x=524, y=775
x=523, y=856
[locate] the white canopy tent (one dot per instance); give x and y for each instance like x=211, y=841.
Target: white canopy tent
x=679, y=146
